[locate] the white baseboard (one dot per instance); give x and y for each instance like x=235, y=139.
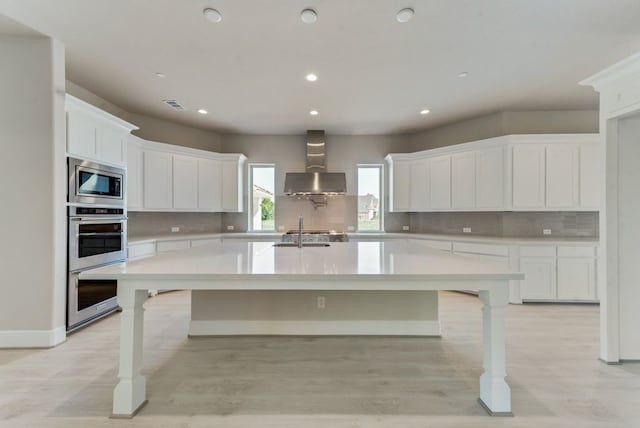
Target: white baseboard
x=315, y=328
x=32, y=338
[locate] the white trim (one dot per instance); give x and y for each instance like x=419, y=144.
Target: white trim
x=32, y=338
x=359, y=327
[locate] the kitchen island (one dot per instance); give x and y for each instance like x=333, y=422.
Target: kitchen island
x=399, y=266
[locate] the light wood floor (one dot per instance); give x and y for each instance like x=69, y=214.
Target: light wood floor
x=343, y=382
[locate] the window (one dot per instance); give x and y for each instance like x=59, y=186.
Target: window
x=262, y=203
x=370, y=207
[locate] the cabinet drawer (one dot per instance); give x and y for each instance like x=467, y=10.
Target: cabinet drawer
x=137, y=251
x=168, y=246
x=538, y=251
x=439, y=245
x=576, y=251
x=201, y=242
x=492, y=250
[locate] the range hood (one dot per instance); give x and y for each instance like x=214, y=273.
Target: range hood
x=315, y=183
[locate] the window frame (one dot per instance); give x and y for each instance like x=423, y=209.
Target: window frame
x=381, y=204
x=251, y=167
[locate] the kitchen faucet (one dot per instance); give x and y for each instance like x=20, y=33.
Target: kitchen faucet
x=300, y=224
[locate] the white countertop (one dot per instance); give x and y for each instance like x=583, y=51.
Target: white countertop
x=275, y=236
x=234, y=259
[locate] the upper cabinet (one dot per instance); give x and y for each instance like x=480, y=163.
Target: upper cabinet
x=94, y=134
x=547, y=172
x=163, y=177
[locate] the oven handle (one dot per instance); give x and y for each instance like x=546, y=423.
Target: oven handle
x=100, y=234
x=97, y=219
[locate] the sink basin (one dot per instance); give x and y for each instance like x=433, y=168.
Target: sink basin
x=304, y=244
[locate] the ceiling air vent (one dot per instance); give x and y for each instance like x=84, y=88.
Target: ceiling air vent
x=174, y=104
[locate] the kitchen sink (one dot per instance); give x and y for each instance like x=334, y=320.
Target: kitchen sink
x=304, y=244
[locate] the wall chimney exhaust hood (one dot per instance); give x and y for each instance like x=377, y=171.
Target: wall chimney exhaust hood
x=315, y=184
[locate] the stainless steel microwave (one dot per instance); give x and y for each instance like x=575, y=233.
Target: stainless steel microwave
x=96, y=184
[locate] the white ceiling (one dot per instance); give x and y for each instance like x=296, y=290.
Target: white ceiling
x=375, y=74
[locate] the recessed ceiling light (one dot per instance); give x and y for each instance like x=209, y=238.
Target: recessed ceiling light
x=404, y=15
x=463, y=74
x=313, y=112
x=161, y=74
x=311, y=77
x=425, y=111
x=308, y=16
x=202, y=111
x=212, y=15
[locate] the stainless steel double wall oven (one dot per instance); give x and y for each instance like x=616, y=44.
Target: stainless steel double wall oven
x=97, y=237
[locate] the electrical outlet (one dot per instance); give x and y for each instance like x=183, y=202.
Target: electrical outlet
x=350, y=228
x=230, y=227
x=405, y=227
x=321, y=302
x=546, y=231
x=175, y=229
x=466, y=230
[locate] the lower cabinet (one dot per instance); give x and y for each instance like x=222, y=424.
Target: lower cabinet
x=576, y=279
x=540, y=281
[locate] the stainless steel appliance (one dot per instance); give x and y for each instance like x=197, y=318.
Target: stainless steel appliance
x=96, y=184
x=314, y=236
x=97, y=237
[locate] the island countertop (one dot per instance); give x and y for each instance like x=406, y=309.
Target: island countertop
x=235, y=259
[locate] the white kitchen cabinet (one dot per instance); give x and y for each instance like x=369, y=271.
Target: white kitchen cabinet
x=440, y=182
x=158, y=180
x=539, y=281
x=185, y=183
x=418, y=185
x=94, y=134
x=141, y=250
x=399, y=184
x=591, y=176
x=134, y=174
x=202, y=242
x=209, y=185
x=490, y=169
x=232, y=170
x=528, y=175
x=576, y=278
x=463, y=180
x=562, y=176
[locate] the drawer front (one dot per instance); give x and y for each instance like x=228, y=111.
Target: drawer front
x=440, y=245
x=168, y=246
x=538, y=251
x=201, y=242
x=576, y=251
x=141, y=250
x=492, y=250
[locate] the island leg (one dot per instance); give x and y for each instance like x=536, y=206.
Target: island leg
x=130, y=393
x=495, y=394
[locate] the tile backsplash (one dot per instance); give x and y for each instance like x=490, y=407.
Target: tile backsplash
x=155, y=223
x=508, y=224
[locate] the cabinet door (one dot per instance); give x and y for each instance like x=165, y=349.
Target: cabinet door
x=490, y=179
x=562, y=176
x=528, y=176
x=134, y=177
x=418, y=185
x=463, y=180
x=591, y=176
x=400, y=182
x=82, y=137
x=158, y=180
x=185, y=182
x=440, y=182
x=539, y=281
x=576, y=279
x=111, y=145
x=209, y=188
x=231, y=186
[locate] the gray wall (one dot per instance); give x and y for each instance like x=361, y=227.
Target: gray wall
x=506, y=123
x=508, y=224
x=287, y=152
x=33, y=221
